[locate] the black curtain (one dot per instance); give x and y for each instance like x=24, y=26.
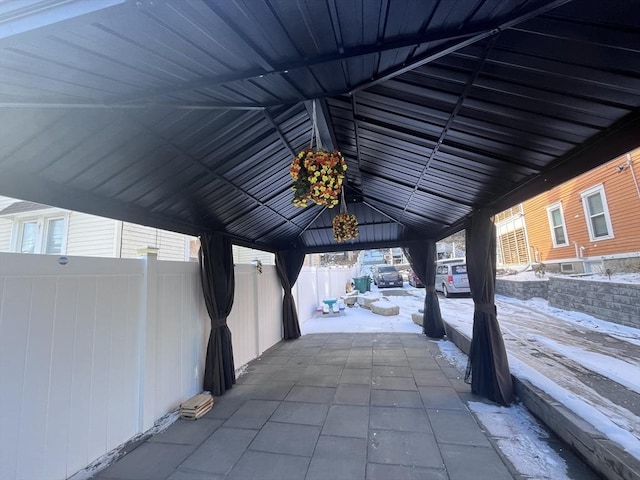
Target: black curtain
x=218, y=286
x=488, y=363
x=288, y=265
x=422, y=257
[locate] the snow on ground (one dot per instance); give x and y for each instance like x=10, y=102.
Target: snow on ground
x=357, y=319
x=518, y=434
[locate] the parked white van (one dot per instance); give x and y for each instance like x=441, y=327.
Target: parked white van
x=451, y=276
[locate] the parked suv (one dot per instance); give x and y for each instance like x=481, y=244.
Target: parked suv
x=451, y=278
x=387, y=276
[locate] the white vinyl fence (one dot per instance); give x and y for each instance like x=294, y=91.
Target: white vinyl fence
x=93, y=352
x=317, y=283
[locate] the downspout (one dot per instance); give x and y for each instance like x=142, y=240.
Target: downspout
x=633, y=173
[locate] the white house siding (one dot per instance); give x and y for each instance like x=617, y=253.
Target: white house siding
x=243, y=256
x=90, y=236
x=6, y=227
x=170, y=245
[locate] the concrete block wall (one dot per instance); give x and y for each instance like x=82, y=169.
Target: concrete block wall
x=611, y=301
x=522, y=290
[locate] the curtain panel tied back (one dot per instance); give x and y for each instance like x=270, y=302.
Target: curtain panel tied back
x=218, y=286
x=422, y=257
x=288, y=265
x=488, y=362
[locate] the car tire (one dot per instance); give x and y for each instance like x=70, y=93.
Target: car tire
x=445, y=291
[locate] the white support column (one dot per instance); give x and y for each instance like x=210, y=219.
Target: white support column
x=147, y=330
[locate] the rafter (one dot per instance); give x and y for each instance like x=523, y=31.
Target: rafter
x=454, y=45
x=452, y=116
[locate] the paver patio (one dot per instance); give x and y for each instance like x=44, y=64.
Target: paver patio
x=330, y=406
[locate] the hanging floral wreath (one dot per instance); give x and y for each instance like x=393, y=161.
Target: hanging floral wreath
x=345, y=227
x=317, y=176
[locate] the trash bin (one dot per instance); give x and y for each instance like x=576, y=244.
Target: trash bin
x=362, y=284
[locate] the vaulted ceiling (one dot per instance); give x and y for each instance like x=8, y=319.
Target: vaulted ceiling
x=186, y=114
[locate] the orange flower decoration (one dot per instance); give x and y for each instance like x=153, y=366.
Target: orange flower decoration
x=317, y=176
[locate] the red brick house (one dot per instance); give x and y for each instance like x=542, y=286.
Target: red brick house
x=589, y=223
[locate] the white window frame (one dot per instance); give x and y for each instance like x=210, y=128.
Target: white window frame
x=552, y=227
x=43, y=220
x=587, y=215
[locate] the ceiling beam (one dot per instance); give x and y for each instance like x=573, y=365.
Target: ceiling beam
x=284, y=68
x=130, y=106
x=622, y=137
x=30, y=186
x=276, y=127
x=454, y=46
x=42, y=14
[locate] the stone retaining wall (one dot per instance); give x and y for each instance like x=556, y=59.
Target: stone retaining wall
x=611, y=301
x=522, y=290
x=614, y=302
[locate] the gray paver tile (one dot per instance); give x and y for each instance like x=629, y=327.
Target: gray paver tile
x=404, y=448
x=356, y=375
x=301, y=413
x=359, y=362
x=269, y=466
x=395, y=398
x=288, y=374
x=348, y=394
x=188, y=432
x=150, y=461
x=287, y=438
x=224, y=407
x=360, y=352
x=263, y=368
x=220, y=451
x=456, y=426
x=253, y=414
x=386, y=371
x=391, y=361
x=431, y=378
x=182, y=474
x=314, y=380
x=417, y=352
x=298, y=362
x=393, y=383
x=254, y=378
x=421, y=363
x=399, y=419
x=333, y=352
x=441, y=398
x=311, y=394
x=323, y=370
x=271, y=359
x=328, y=360
x=376, y=471
x=465, y=462
x=347, y=421
x=339, y=458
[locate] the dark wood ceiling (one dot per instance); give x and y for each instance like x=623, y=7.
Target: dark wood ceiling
x=185, y=114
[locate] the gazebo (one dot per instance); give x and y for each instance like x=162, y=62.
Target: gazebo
x=186, y=115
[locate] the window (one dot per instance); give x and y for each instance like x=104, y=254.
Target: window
x=597, y=213
x=41, y=235
x=556, y=223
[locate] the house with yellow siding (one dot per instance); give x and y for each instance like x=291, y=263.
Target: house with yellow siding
x=587, y=224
